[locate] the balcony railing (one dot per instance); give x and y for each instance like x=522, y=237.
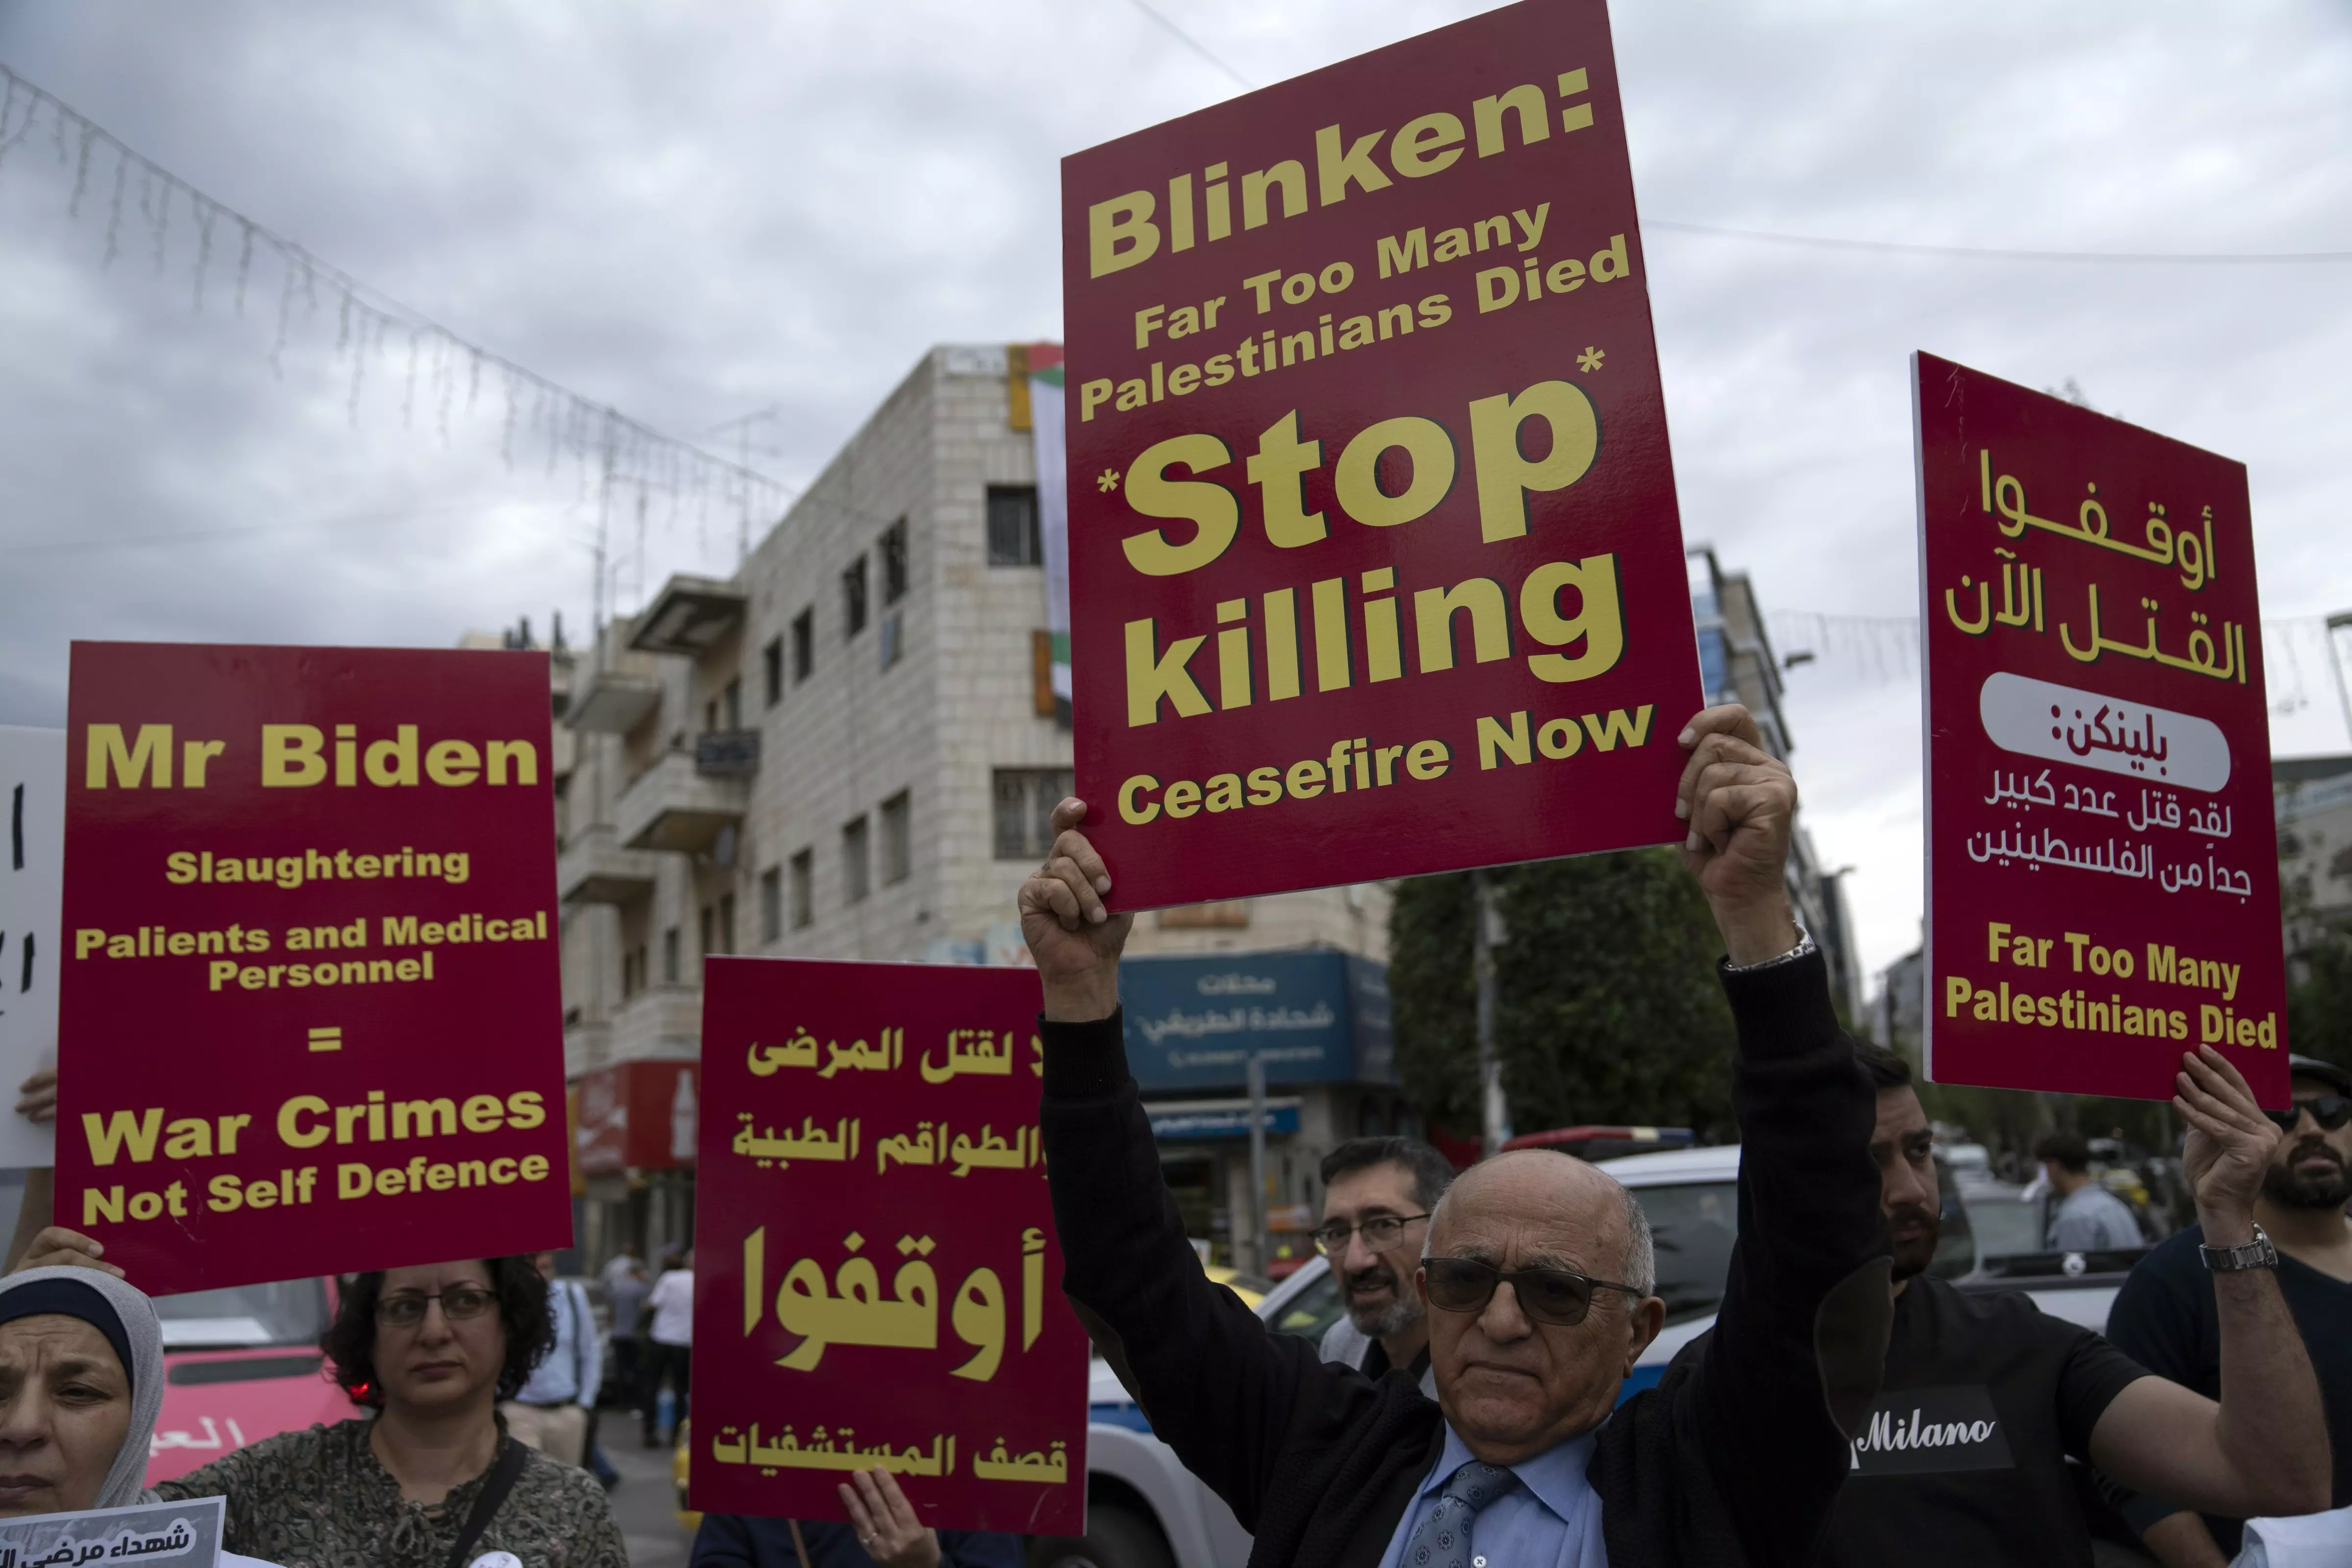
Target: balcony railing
x=594, y=868
x=677, y=805
x=659, y=1020
x=727, y=753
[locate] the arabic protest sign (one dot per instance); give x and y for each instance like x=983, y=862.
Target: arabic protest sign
x=2102, y=867
x=32, y=792
x=884, y=1121
x=1376, y=562
x=184, y=1534
x=310, y=1006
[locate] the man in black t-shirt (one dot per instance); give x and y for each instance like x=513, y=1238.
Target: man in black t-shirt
x=2165, y=1317
x=1963, y=1459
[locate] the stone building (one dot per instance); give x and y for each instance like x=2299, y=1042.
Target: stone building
x=1736, y=664
x=847, y=750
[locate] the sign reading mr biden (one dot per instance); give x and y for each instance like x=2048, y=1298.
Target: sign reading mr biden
x=310, y=1003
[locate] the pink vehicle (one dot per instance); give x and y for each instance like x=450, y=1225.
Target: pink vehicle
x=241, y=1365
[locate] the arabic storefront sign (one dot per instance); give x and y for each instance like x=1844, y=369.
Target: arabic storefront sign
x=184, y=1534
x=2103, y=868
x=310, y=998
x=1376, y=562
x=1314, y=1017
x=881, y=1120
x=31, y=860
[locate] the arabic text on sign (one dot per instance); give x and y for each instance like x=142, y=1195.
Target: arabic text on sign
x=852, y=1310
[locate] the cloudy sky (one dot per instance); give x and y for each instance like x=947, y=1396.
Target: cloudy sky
x=698, y=213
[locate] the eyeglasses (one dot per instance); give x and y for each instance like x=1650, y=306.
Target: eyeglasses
x=2330, y=1111
x=1545, y=1295
x=459, y=1304
x=1382, y=1233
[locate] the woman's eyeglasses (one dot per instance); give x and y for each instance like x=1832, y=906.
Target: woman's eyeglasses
x=2330, y=1111
x=1545, y=1295
x=459, y=1304
x=1382, y=1233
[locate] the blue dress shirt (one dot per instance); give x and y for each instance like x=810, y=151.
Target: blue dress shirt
x=1551, y=1521
x=575, y=1362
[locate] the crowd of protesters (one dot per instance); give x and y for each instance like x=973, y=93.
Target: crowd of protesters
x=1848, y=1406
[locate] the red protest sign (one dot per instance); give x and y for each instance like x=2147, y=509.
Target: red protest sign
x=2102, y=864
x=1375, y=559
x=880, y=1121
x=308, y=1011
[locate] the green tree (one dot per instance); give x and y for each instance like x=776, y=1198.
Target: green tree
x=1608, y=1009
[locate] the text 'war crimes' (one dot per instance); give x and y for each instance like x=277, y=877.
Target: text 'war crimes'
x=308, y=1121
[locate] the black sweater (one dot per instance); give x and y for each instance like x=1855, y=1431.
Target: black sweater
x=1733, y=1458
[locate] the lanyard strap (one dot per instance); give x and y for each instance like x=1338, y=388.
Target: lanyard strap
x=512, y=1457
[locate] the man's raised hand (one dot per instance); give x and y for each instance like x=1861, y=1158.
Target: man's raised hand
x=1740, y=803
x=1074, y=939
x=2229, y=1145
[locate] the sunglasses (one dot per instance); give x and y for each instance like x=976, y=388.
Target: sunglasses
x=2330, y=1111
x=1545, y=1295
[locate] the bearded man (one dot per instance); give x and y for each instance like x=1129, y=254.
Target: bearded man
x=2164, y=1318
x=1963, y=1459
x=1377, y=1195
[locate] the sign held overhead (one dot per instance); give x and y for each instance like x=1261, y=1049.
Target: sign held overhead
x=2101, y=861
x=1376, y=560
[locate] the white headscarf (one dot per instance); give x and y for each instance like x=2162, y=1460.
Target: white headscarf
x=134, y=1314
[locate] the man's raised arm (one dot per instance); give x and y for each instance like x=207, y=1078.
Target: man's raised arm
x=1216, y=1386
x=1800, y=1340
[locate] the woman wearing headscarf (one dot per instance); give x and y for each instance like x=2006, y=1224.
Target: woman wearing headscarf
x=432, y=1476
x=81, y=1381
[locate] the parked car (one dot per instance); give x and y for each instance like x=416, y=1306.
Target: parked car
x=241, y=1365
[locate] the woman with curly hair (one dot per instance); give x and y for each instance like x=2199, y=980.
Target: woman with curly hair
x=433, y=1477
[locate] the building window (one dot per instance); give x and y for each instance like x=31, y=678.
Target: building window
x=894, y=563
x=855, y=871
x=727, y=923
x=804, y=890
x=731, y=704
x=897, y=838
x=629, y=972
x=803, y=645
x=771, y=904
x=669, y=957
x=853, y=599
x=1025, y=798
x=1012, y=526
x=772, y=672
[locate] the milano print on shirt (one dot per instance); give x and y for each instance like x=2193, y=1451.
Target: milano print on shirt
x=1923, y=1431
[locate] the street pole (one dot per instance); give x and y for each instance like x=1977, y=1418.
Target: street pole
x=1260, y=1252
x=1494, y=1115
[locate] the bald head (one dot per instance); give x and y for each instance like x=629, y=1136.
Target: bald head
x=1577, y=1204
x=1511, y=1385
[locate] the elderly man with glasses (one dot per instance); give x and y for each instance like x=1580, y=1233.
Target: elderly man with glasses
x=1538, y=1265
x=2165, y=1317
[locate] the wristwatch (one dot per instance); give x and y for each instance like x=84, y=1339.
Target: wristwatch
x=2256, y=1254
